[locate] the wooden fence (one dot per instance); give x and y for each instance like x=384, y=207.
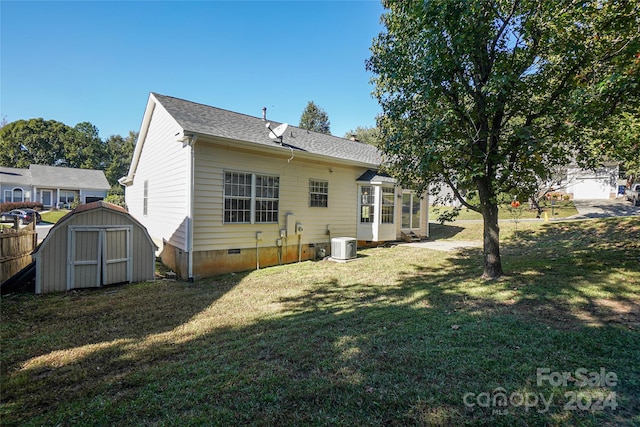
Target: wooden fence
x=15, y=249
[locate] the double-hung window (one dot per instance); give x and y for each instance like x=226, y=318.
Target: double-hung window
x=318, y=193
x=267, y=195
x=250, y=198
x=388, y=205
x=367, y=203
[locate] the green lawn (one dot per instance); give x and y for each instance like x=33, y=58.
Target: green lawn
x=561, y=209
x=54, y=216
x=401, y=336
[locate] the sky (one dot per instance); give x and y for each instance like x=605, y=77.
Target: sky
x=97, y=61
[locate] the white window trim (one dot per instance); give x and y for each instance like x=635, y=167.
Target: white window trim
x=372, y=204
x=252, y=213
x=393, y=205
x=313, y=181
x=145, y=198
x=412, y=194
x=12, y=194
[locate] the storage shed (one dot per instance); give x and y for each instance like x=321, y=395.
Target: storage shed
x=94, y=245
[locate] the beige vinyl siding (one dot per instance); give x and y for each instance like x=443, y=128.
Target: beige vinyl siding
x=212, y=160
x=51, y=264
x=164, y=164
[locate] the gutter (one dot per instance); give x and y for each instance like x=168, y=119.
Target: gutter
x=278, y=149
x=191, y=141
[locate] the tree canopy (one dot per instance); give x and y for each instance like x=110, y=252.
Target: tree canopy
x=491, y=95
x=368, y=135
x=315, y=118
x=36, y=141
x=53, y=143
x=119, y=151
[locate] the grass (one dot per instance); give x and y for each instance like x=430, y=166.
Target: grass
x=399, y=337
x=562, y=209
x=54, y=215
x=472, y=230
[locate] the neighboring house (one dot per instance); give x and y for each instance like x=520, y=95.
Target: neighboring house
x=585, y=184
x=576, y=182
x=218, y=195
x=52, y=185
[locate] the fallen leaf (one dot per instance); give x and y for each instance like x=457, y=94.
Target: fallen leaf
x=455, y=327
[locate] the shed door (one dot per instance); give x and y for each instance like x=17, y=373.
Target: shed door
x=99, y=256
x=117, y=262
x=85, y=262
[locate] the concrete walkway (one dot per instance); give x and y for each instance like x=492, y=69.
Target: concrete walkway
x=604, y=208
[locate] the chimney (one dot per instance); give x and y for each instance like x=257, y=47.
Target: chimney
x=353, y=138
x=264, y=114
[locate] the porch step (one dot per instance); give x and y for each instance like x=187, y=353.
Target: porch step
x=410, y=237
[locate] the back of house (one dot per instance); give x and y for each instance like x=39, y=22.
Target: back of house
x=219, y=192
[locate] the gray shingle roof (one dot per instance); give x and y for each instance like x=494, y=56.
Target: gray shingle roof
x=68, y=178
x=212, y=121
x=375, y=176
x=15, y=175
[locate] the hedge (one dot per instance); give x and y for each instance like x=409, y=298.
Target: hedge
x=8, y=206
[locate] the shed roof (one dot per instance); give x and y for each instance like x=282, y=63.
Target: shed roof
x=206, y=120
x=100, y=204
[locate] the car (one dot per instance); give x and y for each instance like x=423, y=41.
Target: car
x=34, y=214
x=23, y=216
x=633, y=194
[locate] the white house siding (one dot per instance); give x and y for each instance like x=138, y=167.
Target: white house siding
x=212, y=160
x=592, y=184
x=164, y=164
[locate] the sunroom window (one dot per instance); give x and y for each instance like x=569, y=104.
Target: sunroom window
x=388, y=205
x=367, y=202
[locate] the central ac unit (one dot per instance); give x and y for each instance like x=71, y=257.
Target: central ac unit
x=343, y=248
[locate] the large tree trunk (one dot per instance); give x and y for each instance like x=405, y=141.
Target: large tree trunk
x=491, y=233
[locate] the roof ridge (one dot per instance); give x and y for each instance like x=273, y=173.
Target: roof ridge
x=250, y=116
x=210, y=106
x=213, y=121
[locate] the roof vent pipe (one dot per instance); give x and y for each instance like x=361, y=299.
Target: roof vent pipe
x=264, y=113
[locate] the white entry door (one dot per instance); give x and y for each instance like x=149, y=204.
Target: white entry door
x=46, y=197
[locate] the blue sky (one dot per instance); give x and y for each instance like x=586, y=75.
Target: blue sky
x=97, y=61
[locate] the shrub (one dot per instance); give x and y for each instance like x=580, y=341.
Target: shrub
x=116, y=199
x=8, y=206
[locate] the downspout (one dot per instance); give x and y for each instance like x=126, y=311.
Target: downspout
x=192, y=142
